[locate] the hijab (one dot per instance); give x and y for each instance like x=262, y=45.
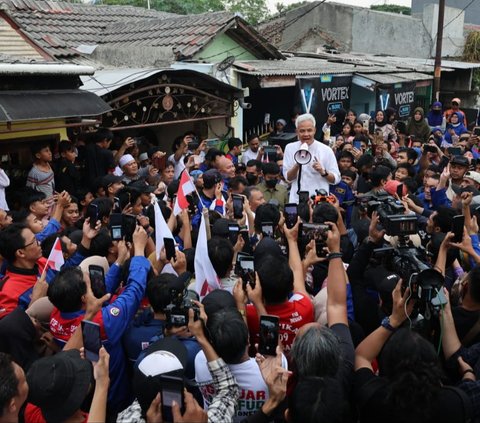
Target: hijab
x=337, y=126
x=435, y=117
x=382, y=122
x=419, y=129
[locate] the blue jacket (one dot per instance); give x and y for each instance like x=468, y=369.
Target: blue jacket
x=53, y=227
x=439, y=198
x=211, y=204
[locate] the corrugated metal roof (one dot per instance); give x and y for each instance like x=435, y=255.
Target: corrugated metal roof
x=394, y=78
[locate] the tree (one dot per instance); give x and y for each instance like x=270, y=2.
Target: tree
x=392, y=8
x=283, y=8
x=184, y=7
x=253, y=11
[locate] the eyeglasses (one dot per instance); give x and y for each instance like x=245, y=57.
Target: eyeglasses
x=35, y=241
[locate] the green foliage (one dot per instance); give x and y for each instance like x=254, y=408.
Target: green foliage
x=283, y=8
x=392, y=8
x=471, y=50
x=253, y=11
x=184, y=7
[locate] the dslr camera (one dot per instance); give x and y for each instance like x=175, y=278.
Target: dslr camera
x=322, y=196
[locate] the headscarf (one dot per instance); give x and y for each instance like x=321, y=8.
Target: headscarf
x=435, y=117
x=420, y=129
x=383, y=122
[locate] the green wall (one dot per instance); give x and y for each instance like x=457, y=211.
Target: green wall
x=221, y=47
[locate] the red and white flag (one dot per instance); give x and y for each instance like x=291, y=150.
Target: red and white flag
x=186, y=187
x=206, y=279
x=55, y=259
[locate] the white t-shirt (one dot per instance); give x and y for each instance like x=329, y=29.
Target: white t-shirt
x=248, y=155
x=310, y=179
x=179, y=166
x=253, y=389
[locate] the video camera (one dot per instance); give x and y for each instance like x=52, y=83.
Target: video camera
x=181, y=301
x=392, y=217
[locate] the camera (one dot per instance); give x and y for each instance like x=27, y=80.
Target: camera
x=318, y=232
x=181, y=301
x=322, y=196
x=392, y=217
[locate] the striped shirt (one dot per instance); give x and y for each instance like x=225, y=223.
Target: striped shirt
x=41, y=181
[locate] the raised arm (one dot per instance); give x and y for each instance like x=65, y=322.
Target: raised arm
x=294, y=259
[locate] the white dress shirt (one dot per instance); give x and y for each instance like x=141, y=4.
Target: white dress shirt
x=310, y=179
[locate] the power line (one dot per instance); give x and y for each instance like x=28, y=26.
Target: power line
x=461, y=11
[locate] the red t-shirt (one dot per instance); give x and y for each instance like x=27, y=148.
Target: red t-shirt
x=293, y=314
x=33, y=414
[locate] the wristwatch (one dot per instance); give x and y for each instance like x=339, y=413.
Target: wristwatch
x=386, y=324
x=324, y=174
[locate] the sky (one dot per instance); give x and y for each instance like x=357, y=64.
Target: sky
x=362, y=3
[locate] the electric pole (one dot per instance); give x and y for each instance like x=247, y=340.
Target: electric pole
x=438, y=52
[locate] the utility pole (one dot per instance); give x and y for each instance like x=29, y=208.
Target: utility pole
x=438, y=52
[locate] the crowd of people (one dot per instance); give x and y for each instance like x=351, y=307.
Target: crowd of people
x=329, y=281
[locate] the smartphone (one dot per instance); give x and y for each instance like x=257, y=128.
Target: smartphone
x=443, y=163
x=271, y=152
x=457, y=227
x=430, y=148
x=129, y=223
x=169, y=244
x=237, y=206
x=115, y=224
x=266, y=119
x=303, y=197
x=291, y=215
x=91, y=340
x=269, y=331
x=454, y=151
x=357, y=145
x=400, y=190
x=159, y=162
x=92, y=214
x=97, y=280
x=439, y=300
x=476, y=131
x=267, y=229
x=371, y=127
x=233, y=232
x=172, y=389
x=246, y=270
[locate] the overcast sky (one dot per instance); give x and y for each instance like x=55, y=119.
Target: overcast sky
x=362, y=3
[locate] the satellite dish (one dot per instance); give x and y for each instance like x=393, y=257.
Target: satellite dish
x=226, y=63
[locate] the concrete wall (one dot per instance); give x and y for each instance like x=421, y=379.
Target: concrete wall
x=388, y=33
x=472, y=13
x=363, y=30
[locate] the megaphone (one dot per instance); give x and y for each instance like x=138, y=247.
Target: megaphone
x=303, y=156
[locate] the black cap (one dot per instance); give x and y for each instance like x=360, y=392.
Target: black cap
x=142, y=186
x=460, y=190
x=110, y=179
x=460, y=160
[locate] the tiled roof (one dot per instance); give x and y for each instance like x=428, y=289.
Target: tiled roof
x=59, y=27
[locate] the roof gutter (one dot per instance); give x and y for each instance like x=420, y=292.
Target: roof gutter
x=44, y=69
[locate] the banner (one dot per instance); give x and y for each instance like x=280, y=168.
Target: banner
x=399, y=96
x=323, y=95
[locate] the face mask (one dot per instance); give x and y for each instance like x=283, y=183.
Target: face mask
x=271, y=183
x=251, y=178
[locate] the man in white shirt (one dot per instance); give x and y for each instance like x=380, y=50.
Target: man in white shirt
x=251, y=153
x=322, y=170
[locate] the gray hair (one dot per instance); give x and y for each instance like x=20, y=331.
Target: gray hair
x=304, y=118
x=316, y=352
x=250, y=190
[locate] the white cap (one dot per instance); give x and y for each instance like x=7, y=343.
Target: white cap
x=127, y=158
x=143, y=157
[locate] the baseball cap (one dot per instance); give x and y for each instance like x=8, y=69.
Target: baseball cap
x=59, y=384
x=437, y=105
x=220, y=228
x=216, y=300
x=474, y=176
x=460, y=160
x=142, y=186
x=165, y=357
x=110, y=179
x=143, y=157
x=456, y=100
x=211, y=177
x=391, y=187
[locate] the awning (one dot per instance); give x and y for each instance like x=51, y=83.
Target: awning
x=52, y=104
x=365, y=79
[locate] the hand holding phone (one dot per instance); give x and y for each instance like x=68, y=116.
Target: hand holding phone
x=92, y=214
x=237, y=201
x=169, y=244
x=269, y=332
x=97, y=280
x=457, y=227
x=91, y=340
x=291, y=215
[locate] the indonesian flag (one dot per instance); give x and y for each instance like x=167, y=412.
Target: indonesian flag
x=205, y=276
x=185, y=188
x=55, y=259
x=161, y=229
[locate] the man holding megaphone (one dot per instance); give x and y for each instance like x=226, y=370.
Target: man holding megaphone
x=307, y=163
